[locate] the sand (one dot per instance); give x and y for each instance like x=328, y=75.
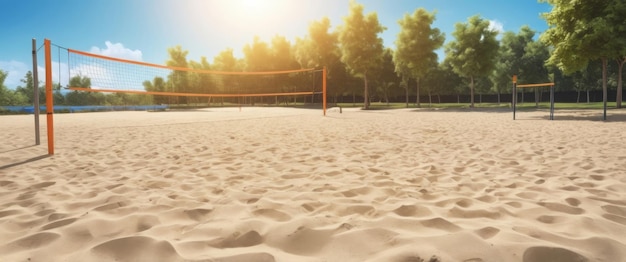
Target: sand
x=272, y=184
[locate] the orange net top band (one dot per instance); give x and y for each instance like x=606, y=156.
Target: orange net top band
x=188, y=69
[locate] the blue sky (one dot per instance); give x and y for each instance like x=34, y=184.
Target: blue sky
x=144, y=29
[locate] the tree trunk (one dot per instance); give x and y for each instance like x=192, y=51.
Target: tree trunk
x=430, y=99
x=353, y=98
x=386, y=98
x=537, y=97
x=588, y=101
x=417, y=99
x=406, y=93
x=458, y=98
x=498, y=97
x=618, y=98
x=471, y=92
x=366, y=102
x=604, y=90
x=578, y=96
x=438, y=99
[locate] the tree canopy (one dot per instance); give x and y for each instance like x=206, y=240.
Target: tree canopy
x=416, y=44
x=361, y=46
x=582, y=31
x=473, y=52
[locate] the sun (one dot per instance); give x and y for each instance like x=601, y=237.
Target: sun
x=258, y=9
x=256, y=17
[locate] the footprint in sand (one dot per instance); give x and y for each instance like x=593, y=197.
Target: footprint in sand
x=257, y=257
x=487, y=232
x=552, y=254
x=557, y=207
x=250, y=238
x=198, y=214
x=412, y=211
x=272, y=214
x=33, y=241
x=441, y=223
x=7, y=213
x=136, y=248
x=58, y=223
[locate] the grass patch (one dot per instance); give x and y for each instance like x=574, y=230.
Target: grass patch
x=524, y=106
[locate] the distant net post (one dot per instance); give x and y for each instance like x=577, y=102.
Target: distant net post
x=514, y=94
x=36, y=93
x=324, y=73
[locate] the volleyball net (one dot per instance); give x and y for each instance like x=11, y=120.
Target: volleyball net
x=110, y=74
x=539, y=85
x=88, y=72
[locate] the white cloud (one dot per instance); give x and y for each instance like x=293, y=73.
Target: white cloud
x=117, y=50
x=495, y=25
x=60, y=73
x=17, y=70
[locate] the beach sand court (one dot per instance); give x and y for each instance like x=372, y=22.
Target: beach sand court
x=285, y=184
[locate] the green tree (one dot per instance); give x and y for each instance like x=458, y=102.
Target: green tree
x=10, y=97
x=321, y=48
x=519, y=55
x=80, y=98
x=227, y=62
x=452, y=83
x=416, y=44
x=179, y=80
x=387, y=81
x=158, y=84
x=200, y=83
x=474, y=50
x=582, y=31
x=362, y=48
x=26, y=90
x=283, y=58
x=257, y=57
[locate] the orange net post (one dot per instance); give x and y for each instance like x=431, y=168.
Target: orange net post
x=49, y=101
x=324, y=90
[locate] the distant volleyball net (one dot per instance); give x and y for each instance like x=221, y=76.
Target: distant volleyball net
x=110, y=74
x=514, y=94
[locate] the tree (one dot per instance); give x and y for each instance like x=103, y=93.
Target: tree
x=157, y=85
x=80, y=97
x=519, y=55
x=200, y=82
x=282, y=58
x=582, y=31
x=473, y=52
x=362, y=48
x=28, y=87
x=9, y=97
x=386, y=78
x=321, y=48
x=416, y=44
x=509, y=59
x=178, y=79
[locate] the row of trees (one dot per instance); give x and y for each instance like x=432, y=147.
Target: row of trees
x=355, y=56
x=24, y=94
x=573, y=52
